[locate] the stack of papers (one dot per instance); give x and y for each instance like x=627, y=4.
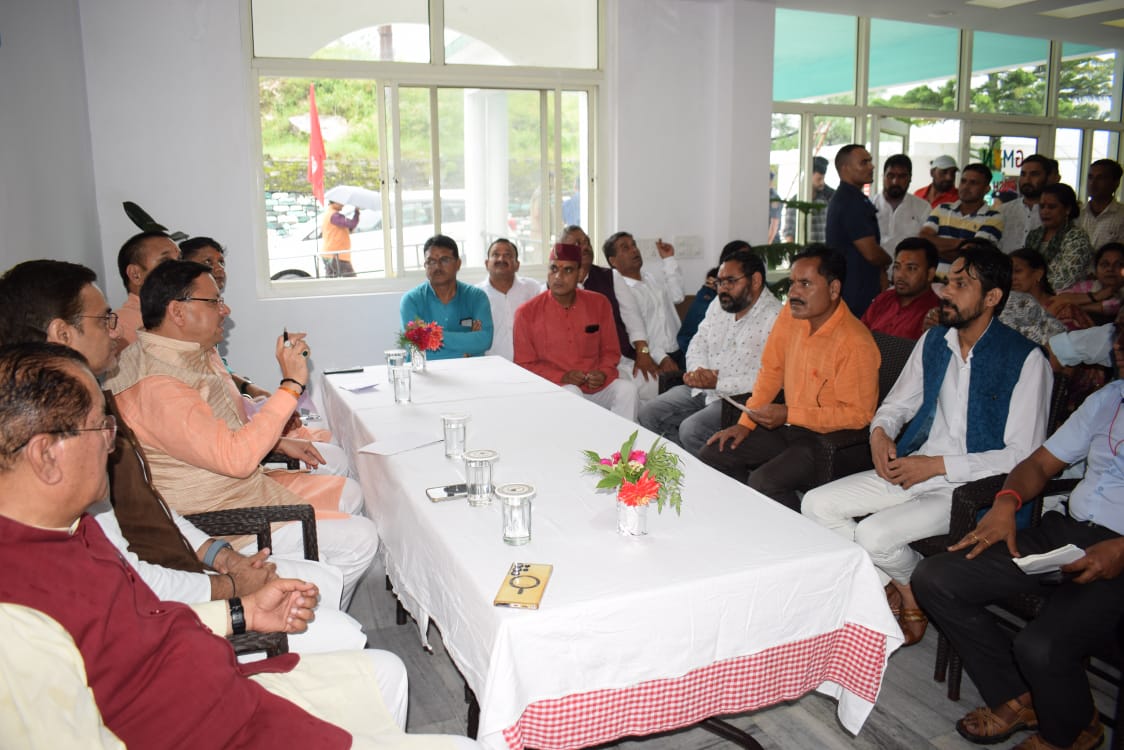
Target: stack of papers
x=1047, y=562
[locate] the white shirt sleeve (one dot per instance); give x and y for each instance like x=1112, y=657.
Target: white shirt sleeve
x=904, y=399
x=45, y=702
x=1091, y=346
x=673, y=279
x=630, y=309
x=169, y=585
x=1025, y=429
x=195, y=536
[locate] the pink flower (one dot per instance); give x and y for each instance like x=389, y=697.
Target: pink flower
x=616, y=458
x=606, y=462
x=638, y=456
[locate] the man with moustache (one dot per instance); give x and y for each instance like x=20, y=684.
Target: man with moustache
x=972, y=401
x=1102, y=217
x=723, y=358
x=506, y=292
x=852, y=229
x=901, y=309
x=901, y=214
x=462, y=310
x=135, y=260
x=566, y=335
x=1021, y=216
x=942, y=189
x=826, y=362
x=967, y=218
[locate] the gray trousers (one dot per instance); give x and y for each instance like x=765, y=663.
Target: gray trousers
x=684, y=419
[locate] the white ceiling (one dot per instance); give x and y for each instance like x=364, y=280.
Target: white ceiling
x=1023, y=19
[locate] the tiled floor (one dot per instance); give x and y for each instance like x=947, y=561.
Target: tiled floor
x=912, y=711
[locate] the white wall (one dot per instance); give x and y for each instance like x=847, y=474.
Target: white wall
x=46, y=176
x=167, y=86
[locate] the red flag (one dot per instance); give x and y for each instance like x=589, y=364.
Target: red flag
x=315, y=147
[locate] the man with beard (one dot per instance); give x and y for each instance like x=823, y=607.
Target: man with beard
x=972, y=399
x=900, y=213
x=901, y=309
x=566, y=335
x=1021, y=216
x=942, y=189
x=826, y=362
x=506, y=292
x=723, y=358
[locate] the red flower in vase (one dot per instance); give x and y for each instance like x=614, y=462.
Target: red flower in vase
x=641, y=492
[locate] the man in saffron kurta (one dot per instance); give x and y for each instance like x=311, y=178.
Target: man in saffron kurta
x=136, y=258
x=176, y=394
x=826, y=362
x=974, y=395
x=567, y=336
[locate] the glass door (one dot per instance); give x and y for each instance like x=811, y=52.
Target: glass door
x=1002, y=147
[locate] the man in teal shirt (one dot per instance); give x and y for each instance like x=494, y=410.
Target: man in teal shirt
x=461, y=310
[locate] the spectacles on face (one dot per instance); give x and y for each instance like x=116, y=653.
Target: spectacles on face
x=212, y=301
x=728, y=281
x=444, y=260
x=109, y=320
x=108, y=431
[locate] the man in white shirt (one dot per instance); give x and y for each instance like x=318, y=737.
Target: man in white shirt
x=723, y=357
x=656, y=294
x=506, y=292
x=901, y=214
x=1102, y=218
x=1021, y=215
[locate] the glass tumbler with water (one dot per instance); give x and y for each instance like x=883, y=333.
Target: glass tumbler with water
x=400, y=378
x=455, y=425
x=478, y=476
x=394, y=358
x=515, y=500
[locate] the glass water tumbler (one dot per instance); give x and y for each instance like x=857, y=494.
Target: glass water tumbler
x=515, y=499
x=456, y=426
x=478, y=476
x=394, y=358
x=400, y=378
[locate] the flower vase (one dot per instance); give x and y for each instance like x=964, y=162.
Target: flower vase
x=632, y=520
x=417, y=359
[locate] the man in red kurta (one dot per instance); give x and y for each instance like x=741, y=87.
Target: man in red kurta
x=567, y=335
x=900, y=310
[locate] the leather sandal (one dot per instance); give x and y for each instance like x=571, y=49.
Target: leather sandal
x=913, y=623
x=1091, y=737
x=894, y=599
x=992, y=728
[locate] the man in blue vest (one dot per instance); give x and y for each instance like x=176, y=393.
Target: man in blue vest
x=972, y=399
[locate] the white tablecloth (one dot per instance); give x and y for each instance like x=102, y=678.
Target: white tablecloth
x=736, y=574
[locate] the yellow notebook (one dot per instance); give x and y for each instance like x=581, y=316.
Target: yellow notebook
x=523, y=585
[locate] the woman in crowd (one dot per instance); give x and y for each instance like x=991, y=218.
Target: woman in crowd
x=1029, y=273
x=1099, y=297
x=1063, y=244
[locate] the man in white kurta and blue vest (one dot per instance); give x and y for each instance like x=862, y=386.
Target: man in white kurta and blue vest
x=972, y=399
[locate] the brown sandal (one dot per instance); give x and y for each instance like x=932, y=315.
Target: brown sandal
x=1091, y=737
x=894, y=599
x=991, y=728
x=916, y=621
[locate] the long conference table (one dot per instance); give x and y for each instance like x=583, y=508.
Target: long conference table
x=734, y=605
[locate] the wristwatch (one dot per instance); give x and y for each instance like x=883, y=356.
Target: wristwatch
x=643, y=350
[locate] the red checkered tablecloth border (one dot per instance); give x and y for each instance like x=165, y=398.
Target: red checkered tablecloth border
x=852, y=656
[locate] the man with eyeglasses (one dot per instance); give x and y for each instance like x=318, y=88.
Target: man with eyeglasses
x=567, y=336
x=137, y=257
x=58, y=302
x=462, y=310
x=723, y=358
x=177, y=396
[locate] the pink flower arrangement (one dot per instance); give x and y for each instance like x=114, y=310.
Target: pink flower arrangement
x=426, y=337
x=645, y=476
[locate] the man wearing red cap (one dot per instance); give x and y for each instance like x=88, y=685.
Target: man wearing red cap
x=567, y=335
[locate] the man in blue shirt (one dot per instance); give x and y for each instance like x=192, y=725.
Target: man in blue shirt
x=1041, y=682
x=462, y=310
x=852, y=229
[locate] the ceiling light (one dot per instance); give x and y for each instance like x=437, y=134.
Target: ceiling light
x=998, y=4
x=1085, y=9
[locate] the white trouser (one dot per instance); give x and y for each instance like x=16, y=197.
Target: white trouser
x=895, y=517
x=335, y=460
x=647, y=386
x=618, y=397
x=332, y=630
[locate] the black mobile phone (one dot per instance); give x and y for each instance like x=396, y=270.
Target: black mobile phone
x=448, y=492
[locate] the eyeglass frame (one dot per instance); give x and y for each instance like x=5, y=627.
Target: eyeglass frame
x=443, y=260
x=727, y=282
x=216, y=302
x=110, y=425
x=110, y=319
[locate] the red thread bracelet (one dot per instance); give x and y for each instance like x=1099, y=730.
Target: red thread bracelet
x=1012, y=493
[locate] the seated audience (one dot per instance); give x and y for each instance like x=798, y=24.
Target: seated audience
x=181, y=403
x=827, y=364
x=566, y=335
x=1029, y=274
x=723, y=358
x=968, y=217
x=972, y=401
x=1063, y=244
x=1039, y=681
x=75, y=677
x=1098, y=297
x=462, y=311
x=901, y=309
x=657, y=293
x=50, y=301
x=136, y=258
x=1102, y=218
x=706, y=294
x=506, y=292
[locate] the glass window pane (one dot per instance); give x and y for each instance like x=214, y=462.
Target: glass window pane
x=913, y=66
x=784, y=169
x=388, y=30
x=829, y=134
x=814, y=57
x=1087, y=82
x=1008, y=74
x=545, y=33
x=575, y=157
x=1004, y=155
x=294, y=219
x=1067, y=150
x=413, y=172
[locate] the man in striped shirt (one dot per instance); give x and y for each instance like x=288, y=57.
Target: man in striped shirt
x=949, y=223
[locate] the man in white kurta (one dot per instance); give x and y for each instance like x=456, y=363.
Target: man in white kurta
x=901, y=214
x=506, y=292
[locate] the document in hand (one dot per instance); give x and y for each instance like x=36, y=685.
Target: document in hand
x=1049, y=561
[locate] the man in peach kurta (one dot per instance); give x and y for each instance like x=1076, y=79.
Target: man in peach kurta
x=174, y=391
